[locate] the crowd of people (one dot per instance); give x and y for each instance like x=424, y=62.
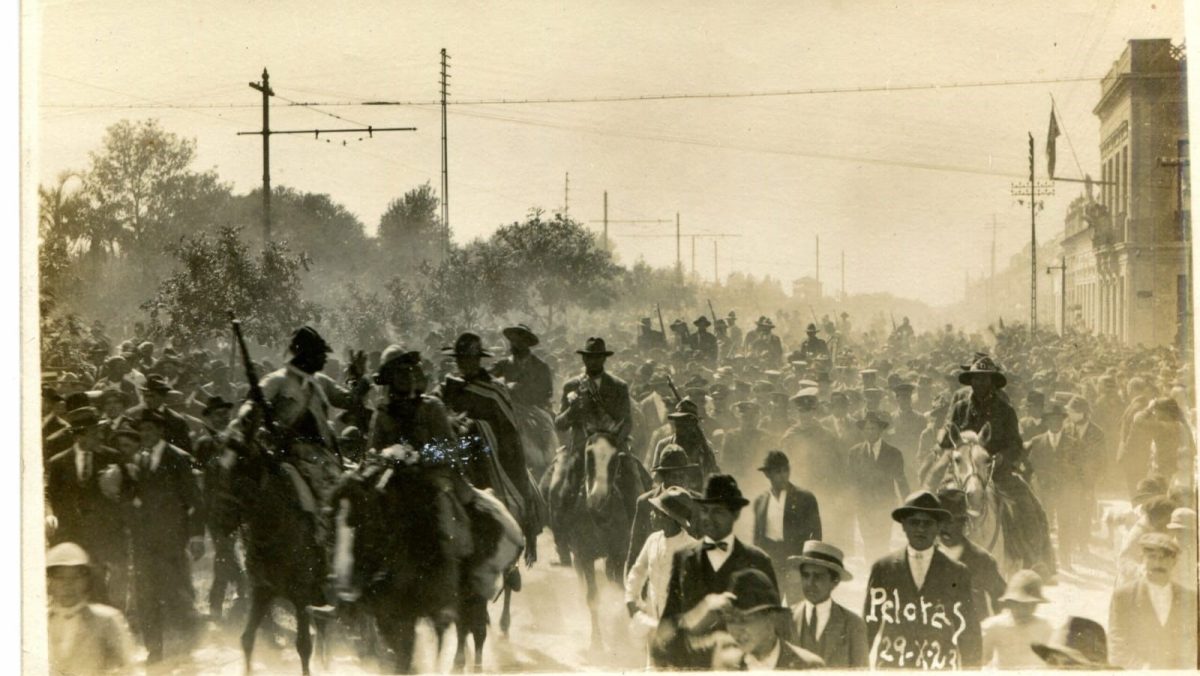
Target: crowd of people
x=965, y=472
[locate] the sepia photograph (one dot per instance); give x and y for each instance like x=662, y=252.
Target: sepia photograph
x=466, y=337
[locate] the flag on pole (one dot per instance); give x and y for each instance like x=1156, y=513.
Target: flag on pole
x=1051, y=136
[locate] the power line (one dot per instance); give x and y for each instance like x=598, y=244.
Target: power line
x=624, y=98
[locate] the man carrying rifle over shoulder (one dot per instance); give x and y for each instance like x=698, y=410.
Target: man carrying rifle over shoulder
x=300, y=398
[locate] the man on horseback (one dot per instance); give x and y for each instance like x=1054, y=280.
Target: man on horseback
x=1025, y=526
x=474, y=394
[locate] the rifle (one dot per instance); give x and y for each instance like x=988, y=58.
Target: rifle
x=674, y=391
x=661, y=326
x=712, y=312
x=893, y=321
x=256, y=393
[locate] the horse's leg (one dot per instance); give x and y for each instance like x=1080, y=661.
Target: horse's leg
x=322, y=626
x=505, y=615
x=402, y=643
x=260, y=603
x=304, y=642
x=479, y=630
x=460, y=652
x=587, y=571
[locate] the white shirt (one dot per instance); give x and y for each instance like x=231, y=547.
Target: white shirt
x=919, y=563
x=156, y=454
x=775, y=515
x=1054, y=438
x=768, y=662
x=1160, y=598
x=823, y=609
x=875, y=448
x=64, y=626
x=717, y=557
x=652, y=571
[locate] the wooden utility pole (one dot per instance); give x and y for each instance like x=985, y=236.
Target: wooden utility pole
x=606, y=220
x=445, y=156
x=818, y=261
x=678, y=253
x=267, y=133
x=267, y=93
x=1032, y=190
x=716, y=273
x=567, y=195
x=843, y=274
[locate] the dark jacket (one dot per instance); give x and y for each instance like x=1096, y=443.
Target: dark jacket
x=175, y=429
x=842, y=644
x=801, y=519
x=612, y=407
x=167, y=505
x=529, y=380
x=85, y=515
x=692, y=578
x=942, y=613
x=879, y=483
x=1137, y=640
x=816, y=460
x=987, y=584
x=971, y=413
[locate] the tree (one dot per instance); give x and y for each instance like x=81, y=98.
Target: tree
x=470, y=283
x=410, y=229
x=402, y=302
x=359, y=321
x=219, y=275
x=558, y=261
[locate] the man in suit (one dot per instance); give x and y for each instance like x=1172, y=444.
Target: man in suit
x=86, y=503
x=819, y=462
x=674, y=469
x=1152, y=620
x=1093, y=445
x=987, y=585
x=919, y=609
x=877, y=470
x=785, y=517
x=1059, y=472
x=167, y=526
x=154, y=398
x=699, y=590
x=84, y=638
x=758, y=626
x=528, y=378
x=821, y=625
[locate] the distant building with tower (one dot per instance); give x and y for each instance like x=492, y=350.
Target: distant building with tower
x=1127, y=241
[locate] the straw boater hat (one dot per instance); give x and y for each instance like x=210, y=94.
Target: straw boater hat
x=523, y=333
x=821, y=554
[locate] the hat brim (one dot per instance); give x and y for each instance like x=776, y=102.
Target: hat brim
x=1044, y=651
x=764, y=608
x=728, y=502
x=528, y=336
x=605, y=353
x=901, y=513
x=964, y=378
x=1022, y=599
x=451, y=352
x=682, y=416
x=676, y=468
x=843, y=574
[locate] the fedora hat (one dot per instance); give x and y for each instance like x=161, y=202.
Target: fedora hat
x=126, y=430
x=811, y=329
x=921, y=502
x=702, y=321
x=984, y=365
x=466, y=345
x=673, y=458
x=686, y=408
x=82, y=418
x=523, y=333
x=114, y=392
x=746, y=405
x=595, y=346
x=676, y=503
x=722, y=489
x=775, y=460
x=216, y=403
x=753, y=592
x=822, y=554
x=156, y=383
x=764, y=322
x=307, y=340
x=1025, y=586
x=874, y=417
x=1080, y=640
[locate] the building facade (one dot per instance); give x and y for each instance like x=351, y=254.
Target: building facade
x=1126, y=242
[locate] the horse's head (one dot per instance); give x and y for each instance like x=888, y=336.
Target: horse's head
x=600, y=458
x=970, y=464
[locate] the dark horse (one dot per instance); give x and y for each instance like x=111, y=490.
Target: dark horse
x=283, y=558
x=388, y=522
x=596, y=513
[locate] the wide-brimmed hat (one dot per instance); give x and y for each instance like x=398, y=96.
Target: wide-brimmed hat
x=775, y=460
x=921, y=502
x=1080, y=640
x=1182, y=519
x=595, y=346
x=753, y=592
x=676, y=502
x=395, y=355
x=306, y=340
x=216, y=403
x=66, y=554
x=685, y=409
x=673, y=458
x=523, y=333
x=82, y=418
x=984, y=365
x=466, y=345
x=1025, y=586
x=702, y=321
x=723, y=489
x=876, y=418
x=1148, y=488
x=156, y=383
x=765, y=322
x=822, y=554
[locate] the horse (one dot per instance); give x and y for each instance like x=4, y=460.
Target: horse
x=596, y=514
x=968, y=467
x=391, y=551
x=283, y=558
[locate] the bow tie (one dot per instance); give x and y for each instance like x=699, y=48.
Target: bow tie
x=723, y=546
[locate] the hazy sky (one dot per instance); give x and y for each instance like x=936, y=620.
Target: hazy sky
x=905, y=182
